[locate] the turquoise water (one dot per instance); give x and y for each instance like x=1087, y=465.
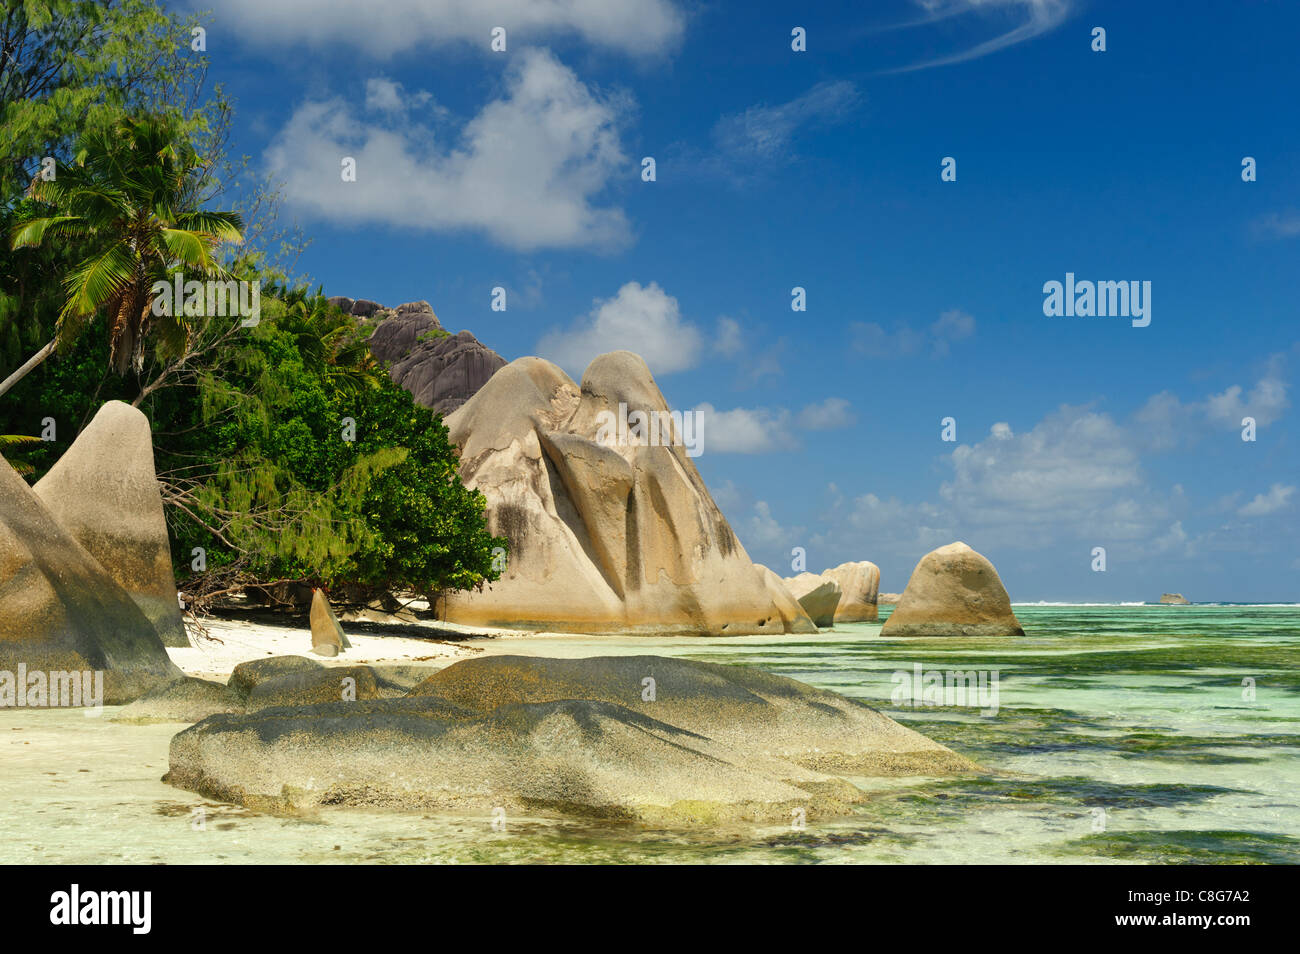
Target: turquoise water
x=1122, y=735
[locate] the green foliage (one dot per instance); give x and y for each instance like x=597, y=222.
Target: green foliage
x=264, y=478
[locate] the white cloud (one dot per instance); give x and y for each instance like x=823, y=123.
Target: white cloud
x=831, y=414
x=761, y=529
x=873, y=340
x=1278, y=225
x=646, y=320
x=729, y=340
x=1034, y=18
x=1165, y=422
x=763, y=430
x=526, y=171
x=766, y=133
x=1277, y=499
x=389, y=96
x=385, y=27
x=1075, y=468
x=744, y=430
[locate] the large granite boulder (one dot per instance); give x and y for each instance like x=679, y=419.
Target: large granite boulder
x=817, y=594
x=247, y=676
x=104, y=492
x=590, y=745
x=860, y=583
x=442, y=371
x=608, y=530
x=752, y=712
x=953, y=591
x=61, y=611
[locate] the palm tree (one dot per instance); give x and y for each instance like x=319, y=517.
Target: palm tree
x=125, y=195
x=19, y=440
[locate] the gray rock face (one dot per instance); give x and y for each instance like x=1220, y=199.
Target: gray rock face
x=441, y=372
x=60, y=610
x=718, y=743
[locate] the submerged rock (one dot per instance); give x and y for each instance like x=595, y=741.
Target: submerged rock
x=60, y=610
x=609, y=529
x=953, y=591
x=717, y=744
x=104, y=492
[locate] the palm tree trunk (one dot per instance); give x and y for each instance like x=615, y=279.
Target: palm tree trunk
x=31, y=363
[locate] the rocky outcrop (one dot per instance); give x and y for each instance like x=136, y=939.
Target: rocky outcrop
x=860, y=583
x=817, y=594
x=441, y=370
x=608, y=529
x=327, y=637
x=61, y=611
x=700, y=745
x=888, y=599
x=1174, y=599
x=953, y=591
x=103, y=491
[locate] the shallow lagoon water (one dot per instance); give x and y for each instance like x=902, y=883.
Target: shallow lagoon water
x=1123, y=735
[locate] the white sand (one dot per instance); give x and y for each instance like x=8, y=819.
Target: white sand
x=241, y=641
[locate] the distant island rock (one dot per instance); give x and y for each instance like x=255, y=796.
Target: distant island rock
x=888, y=599
x=953, y=591
x=607, y=533
x=441, y=370
x=1175, y=599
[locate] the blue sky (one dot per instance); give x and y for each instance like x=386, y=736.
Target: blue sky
x=821, y=169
